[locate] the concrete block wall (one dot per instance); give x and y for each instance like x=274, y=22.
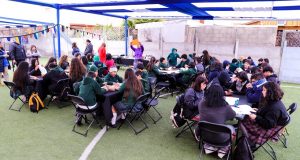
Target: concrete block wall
x=290, y=68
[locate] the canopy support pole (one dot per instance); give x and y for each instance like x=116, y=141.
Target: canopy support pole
x=58, y=29
x=126, y=35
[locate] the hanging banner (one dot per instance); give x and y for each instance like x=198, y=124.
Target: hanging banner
x=17, y=39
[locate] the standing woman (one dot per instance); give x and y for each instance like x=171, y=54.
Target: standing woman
x=3, y=65
x=75, y=49
x=63, y=62
x=270, y=116
x=102, y=52
x=138, y=52
x=132, y=88
x=33, y=53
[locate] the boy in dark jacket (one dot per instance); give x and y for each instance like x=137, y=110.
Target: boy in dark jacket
x=17, y=53
x=269, y=74
x=163, y=63
x=187, y=74
x=184, y=61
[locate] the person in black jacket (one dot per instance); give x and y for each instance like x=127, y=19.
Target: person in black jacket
x=193, y=96
x=269, y=74
x=17, y=53
x=270, y=116
x=88, y=48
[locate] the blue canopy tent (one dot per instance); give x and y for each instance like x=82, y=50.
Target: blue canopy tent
x=176, y=9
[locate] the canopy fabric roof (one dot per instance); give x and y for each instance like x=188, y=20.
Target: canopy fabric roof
x=181, y=9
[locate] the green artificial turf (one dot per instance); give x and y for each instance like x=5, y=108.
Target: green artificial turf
x=47, y=135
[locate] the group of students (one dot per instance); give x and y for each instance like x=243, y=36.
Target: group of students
x=205, y=99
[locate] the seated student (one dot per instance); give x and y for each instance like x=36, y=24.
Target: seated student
x=215, y=70
x=223, y=79
x=101, y=66
x=99, y=80
x=269, y=74
x=52, y=77
x=247, y=66
x=145, y=82
x=152, y=68
x=87, y=90
x=112, y=77
x=63, y=62
x=132, y=88
x=193, y=96
x=184, y=61
x=266, y=60
x=239, y=84
x=22, y=80
x=215, y=109
x=172, y=57
x=185, y=75
x=77, y=55
x=163, y=63
x=270, y=116
x=254, y=89
x=90, y=57
x=34, y=69
x=109, y=61
x=85, y=62
x=199, y=65
x=226, y=65
x=51, y=60
x=140, y=67
x=260, y=61
x=77, y=71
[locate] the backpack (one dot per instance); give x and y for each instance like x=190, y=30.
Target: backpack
x=243, y=150
x=35, y=103
x=177, y=113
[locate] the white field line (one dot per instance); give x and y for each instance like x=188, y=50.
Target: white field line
x=283, y=86
x=93, y=143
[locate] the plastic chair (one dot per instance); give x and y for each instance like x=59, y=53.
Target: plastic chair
x=216, y=135
x=82, y=110
x=61, y=91
x=134, y=115
x=15, y=94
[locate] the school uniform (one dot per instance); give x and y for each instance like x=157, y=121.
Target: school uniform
x=110, y=79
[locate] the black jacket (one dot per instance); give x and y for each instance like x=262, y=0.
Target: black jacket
x=273, y=78
x=52, y=77
x=271, y=115
x=17, y=51
x=191, y=100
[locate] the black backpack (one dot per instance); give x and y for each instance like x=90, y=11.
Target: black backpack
x=243, y=150
x=35, y=103
x=177, y=113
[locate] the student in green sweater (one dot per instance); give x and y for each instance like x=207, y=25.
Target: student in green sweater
x=87, y=90
x=152, y=68
x=140, y=67
x=112, y=77
x=186, y=74
x=172, y=57
x=163, y=63
x=184, y=61
x=132, y=88
x=145, y=82
x=99, y=80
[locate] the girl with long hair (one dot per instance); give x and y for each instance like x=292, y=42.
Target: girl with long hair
x=22, y=79
x=77, y=70
x=132, y=88
x=152, y=68
x=51, y=60
x=63, y=62
x=270, y=116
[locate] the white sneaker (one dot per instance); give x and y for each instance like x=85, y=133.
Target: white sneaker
x=209, y=149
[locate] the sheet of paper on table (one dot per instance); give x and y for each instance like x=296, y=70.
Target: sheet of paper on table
x=231, y=100
x=243, y=109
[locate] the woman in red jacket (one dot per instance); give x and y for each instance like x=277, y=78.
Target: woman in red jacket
x=102, y=52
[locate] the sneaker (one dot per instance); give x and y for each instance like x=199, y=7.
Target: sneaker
x=209, y=149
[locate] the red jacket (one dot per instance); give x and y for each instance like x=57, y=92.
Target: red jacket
x=102, y=54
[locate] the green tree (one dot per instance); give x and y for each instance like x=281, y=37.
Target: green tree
x=131, y=23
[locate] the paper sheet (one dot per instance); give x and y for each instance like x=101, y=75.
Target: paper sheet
x=231, y=100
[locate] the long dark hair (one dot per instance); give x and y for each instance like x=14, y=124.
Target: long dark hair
x=33, y=60
x=274, y=93
x=63, y=59
x=199, y=80
x=132, y=84
x=77, y=70
x=214, y=96
x=206, y=58
x=21, y=75
x=151, y=64
x=51, y=60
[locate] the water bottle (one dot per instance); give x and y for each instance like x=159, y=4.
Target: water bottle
x=236, y=103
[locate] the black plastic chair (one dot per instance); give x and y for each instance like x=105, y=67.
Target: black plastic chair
x=61, y=91
x=216, y=135
x=134, y=115
x=170, y=85
x=15, y=94
x=272, y=152
x=82, y=110
x=283, y=139
x=190, y=123
x=152, y=102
